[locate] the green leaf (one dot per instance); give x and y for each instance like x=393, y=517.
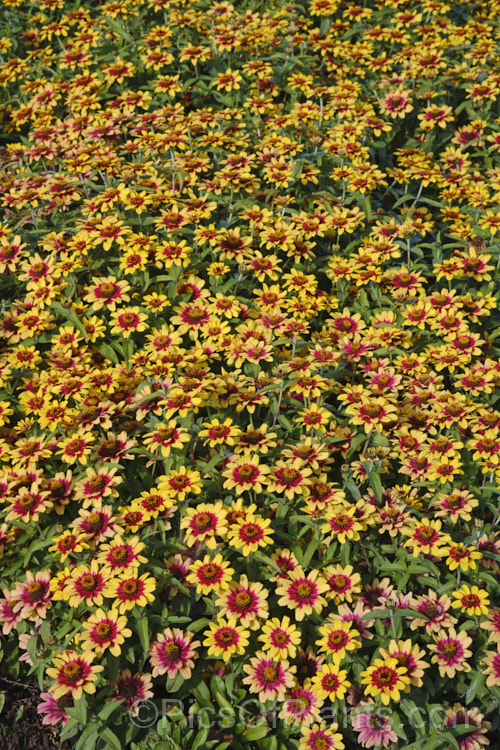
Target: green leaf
x=382, y=614
x=255, y=733
x=477, y=681
x=353, y=489
x=376, y=485
x=202, y=694
x=88, y=739
x=107, y=351
x=109, y=708
x=143, y=632
x=69, y=729
x=79, y=710
x=112, y=741
x=197, y=625
x=433, y=743
x=451, y=739
x=200, y=740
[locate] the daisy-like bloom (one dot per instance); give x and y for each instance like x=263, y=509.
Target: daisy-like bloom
x=461, y=556
x=226, y=638
x=105, y=630
x=489, y=543
x=97, y=485
x=58, y=584
x=133, y=689
x=114, y=447
x=320, y=736
x=245, y=602
x=341, y=524
x=307, y=663
x=68, y=543
x=54, y=711
x=451, y=651
x=373, y=728
x=77, y=448
x=373, y=413
x=178, y=484
x=492, y=662
x=246, y=473
x=28, y=505
x=435, y=610
x=407, y=655
x=280, y=638
x=255, y=440
x=106, y=292
x=250, y=533
x=118, y=556
x=86, y=584
x=314, y=455
x=330, y=682
x=302, y=593
x=74, y=674
x=34, y=596
x=127, y=320
x=269, y=678
x=59, y=489
x=425, y=537
x=471, y=600
x=8, y=615
x=343, y=584
x=385, y=678
x=152, y=503
x=492, y=625
x=314, y=418
x=458, y=716
x=165, y=438
x=203, y=523
x=172, y=652
x=444, y=470
x=319, y=494
x=131, y=590
x=219, y=433
x=354, y=615
x=210, y=574
x=289, y=478
x=302, y=707
x=191, y=318
x=286, y=561
x=337, y=639
x=96, y=524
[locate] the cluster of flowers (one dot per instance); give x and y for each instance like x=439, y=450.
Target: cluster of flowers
x=248, y=369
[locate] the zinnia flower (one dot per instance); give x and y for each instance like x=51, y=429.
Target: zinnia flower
x=373, y=729
x=74, y=673
x=269, y=678
x=173, y=651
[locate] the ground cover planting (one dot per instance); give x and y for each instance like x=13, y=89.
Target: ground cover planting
x=249, y=372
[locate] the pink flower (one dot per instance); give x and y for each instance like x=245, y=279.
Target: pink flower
x=54, y=710
x=374, y=729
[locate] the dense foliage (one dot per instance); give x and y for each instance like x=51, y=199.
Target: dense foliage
x=250, y=445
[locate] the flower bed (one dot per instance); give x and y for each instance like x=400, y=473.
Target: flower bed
x=249, y=432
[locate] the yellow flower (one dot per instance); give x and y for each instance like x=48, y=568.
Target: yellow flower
x=280, y=638
x=472, y=601
x=226, y=638
x=210, y=574
x=385, y=678
x=330, y=682
x=337, y=639
x=459, y=555
x=219, y=433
